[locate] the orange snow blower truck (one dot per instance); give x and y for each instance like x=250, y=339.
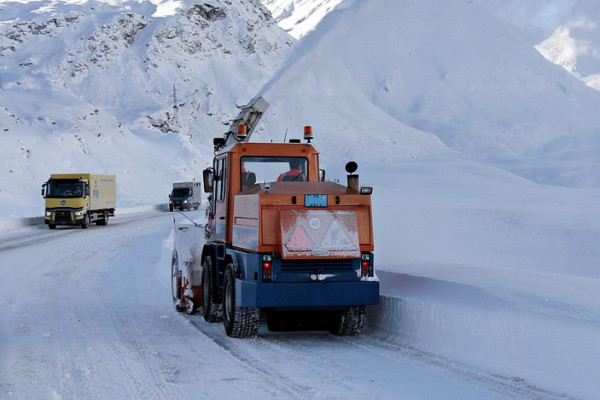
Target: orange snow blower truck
x=280, y=241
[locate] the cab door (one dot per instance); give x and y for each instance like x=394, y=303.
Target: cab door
x=220, y=191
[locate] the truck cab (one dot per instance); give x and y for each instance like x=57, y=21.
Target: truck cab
x=245, y=170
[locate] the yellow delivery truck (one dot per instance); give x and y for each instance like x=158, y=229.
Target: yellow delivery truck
x=79, y=199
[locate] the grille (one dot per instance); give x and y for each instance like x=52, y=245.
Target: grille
x=62, y=215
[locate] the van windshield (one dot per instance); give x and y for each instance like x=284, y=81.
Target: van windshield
x=181, y=192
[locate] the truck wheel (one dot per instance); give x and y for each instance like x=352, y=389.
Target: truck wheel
x=104, y=219
x=211, y=310
x=176, y=282
x=349, y=322
x=240, y=322
x=51, y=226
x=86, y=221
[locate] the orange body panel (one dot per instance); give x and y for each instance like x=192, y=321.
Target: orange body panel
x=257, y=223
x=253, y=219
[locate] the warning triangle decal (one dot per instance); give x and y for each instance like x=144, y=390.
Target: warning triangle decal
x=299, y=240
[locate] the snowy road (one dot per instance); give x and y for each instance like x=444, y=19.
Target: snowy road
x=86, y=314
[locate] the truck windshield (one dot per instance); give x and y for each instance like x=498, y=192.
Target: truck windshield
x=257, y=169
x=181, y=192
x=67, y=188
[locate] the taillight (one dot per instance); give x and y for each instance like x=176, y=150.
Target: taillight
x=365, y=264
x=267, y=264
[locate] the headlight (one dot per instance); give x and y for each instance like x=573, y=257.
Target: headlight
x=48, y=213
x=78, y=213
x=185, y=201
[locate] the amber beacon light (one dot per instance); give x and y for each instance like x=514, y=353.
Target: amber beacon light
x=308, y=133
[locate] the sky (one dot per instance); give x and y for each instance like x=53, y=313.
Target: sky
x=482, y=153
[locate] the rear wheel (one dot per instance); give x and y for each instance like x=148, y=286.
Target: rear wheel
x=349, y=322
x=211, y=310
x=104, y=219
x=240, y=322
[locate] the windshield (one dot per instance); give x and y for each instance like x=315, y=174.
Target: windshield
x=273, y=169
x=64, y=189
x=181, y=192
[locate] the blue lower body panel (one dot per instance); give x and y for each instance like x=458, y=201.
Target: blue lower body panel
x=306, y=295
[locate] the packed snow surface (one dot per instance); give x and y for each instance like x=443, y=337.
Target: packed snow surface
x=482, y=153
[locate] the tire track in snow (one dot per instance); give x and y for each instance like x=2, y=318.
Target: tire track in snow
x=316, y=365
x=514, y=387
x=108, y=333
x=110, y=349
x=334, y=380
x=281, y=382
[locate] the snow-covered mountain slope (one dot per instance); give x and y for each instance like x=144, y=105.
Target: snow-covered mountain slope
x=300, y=17
x=567, y=33
x=452, y=68
x=125, y=87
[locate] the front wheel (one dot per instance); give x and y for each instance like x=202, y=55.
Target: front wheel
x=211, y=309
x=86, y=221
x=240, y=322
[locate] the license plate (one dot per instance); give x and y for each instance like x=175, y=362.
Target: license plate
x=315, y=200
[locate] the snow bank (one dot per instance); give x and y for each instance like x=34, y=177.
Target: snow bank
x=11, y=223
x=546, y=344
x=481, y=267
x=7, y=224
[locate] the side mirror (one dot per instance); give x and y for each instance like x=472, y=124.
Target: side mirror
x=321, y=175
x=87, y=189
x=44, y=190
x=207, y=178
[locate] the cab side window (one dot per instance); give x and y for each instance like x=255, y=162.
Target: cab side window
x=220, y=179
